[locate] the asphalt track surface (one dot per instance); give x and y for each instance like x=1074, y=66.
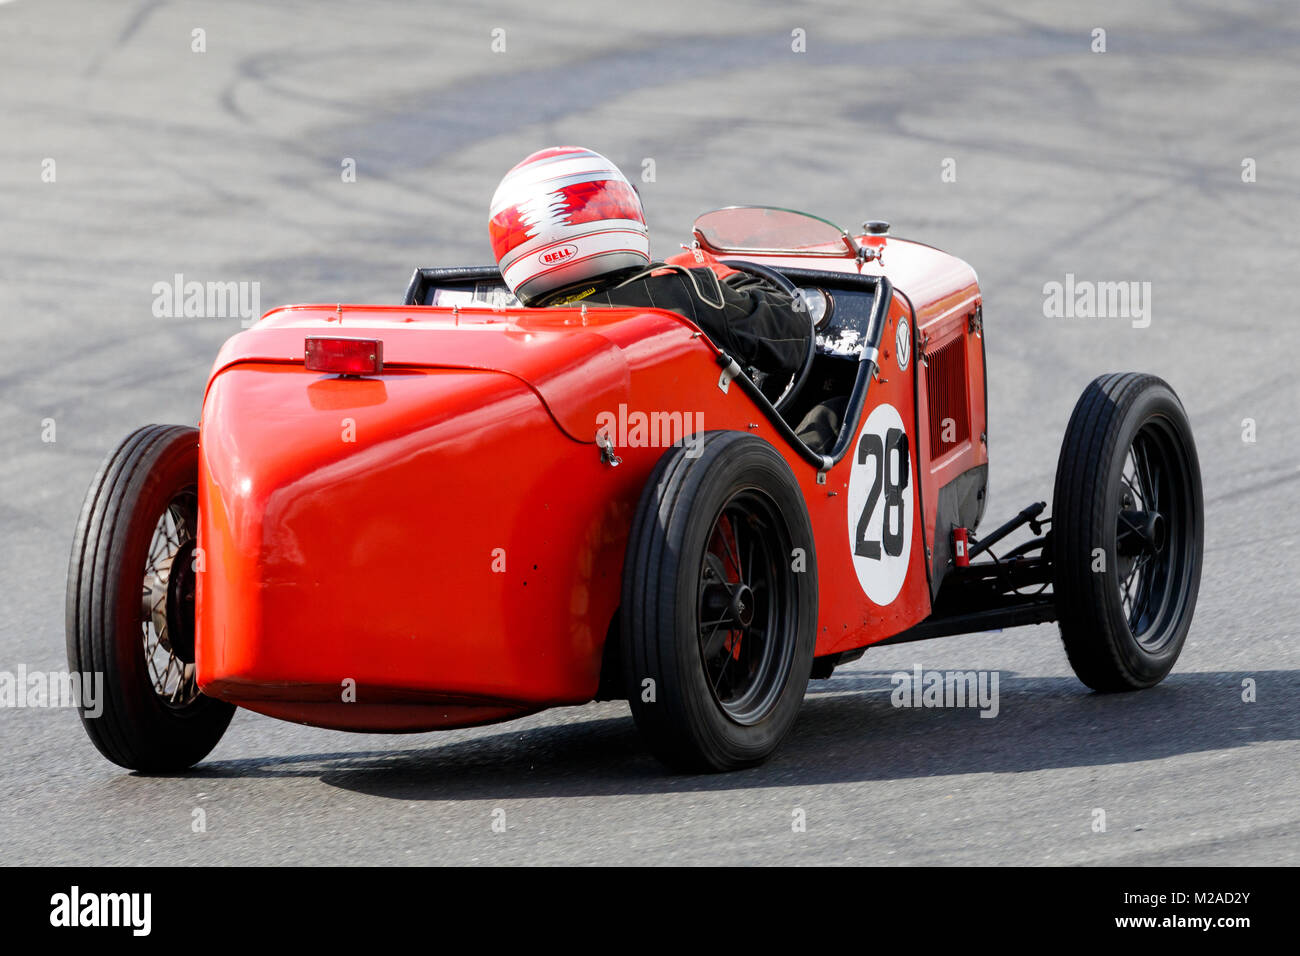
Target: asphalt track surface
x=1123, y=165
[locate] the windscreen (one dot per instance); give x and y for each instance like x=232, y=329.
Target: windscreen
x=769, y=229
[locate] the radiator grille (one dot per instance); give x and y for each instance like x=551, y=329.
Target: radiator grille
x=945, y=385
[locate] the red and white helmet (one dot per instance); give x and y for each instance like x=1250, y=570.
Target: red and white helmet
x=565, y=216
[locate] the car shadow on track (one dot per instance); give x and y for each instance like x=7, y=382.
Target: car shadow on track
x=848, y=731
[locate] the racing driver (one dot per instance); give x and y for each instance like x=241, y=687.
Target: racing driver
x=567, y=227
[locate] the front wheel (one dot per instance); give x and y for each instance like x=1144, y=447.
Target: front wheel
x=1127, y=528
x=130, y=605
x=719, y=605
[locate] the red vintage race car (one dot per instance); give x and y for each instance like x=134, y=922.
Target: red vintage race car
x=458, y=510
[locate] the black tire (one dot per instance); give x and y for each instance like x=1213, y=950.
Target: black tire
x=713, y=542
x=139, y=517
x=1128, y=482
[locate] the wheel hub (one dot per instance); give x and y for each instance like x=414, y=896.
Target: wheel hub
x=742, y=605
x=169, y=602
x=1141, y=531
x=180, y=602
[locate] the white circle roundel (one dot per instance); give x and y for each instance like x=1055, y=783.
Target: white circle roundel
x=880, y=505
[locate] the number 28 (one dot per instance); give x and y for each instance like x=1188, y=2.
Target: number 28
x=892, y=448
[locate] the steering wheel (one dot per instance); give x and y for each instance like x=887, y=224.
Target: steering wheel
x=785, y=285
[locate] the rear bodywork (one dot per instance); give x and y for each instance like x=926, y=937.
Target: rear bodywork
x=442, y=544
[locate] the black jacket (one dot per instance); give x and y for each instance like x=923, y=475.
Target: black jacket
x=757, y=324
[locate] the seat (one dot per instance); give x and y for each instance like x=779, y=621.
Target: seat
x=821, y=426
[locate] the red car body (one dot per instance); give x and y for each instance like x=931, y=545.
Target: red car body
x=442, y=544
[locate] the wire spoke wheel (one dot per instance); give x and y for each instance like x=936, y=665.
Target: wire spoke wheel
x=745, y=624
x=167, y=602
x=1153, y=543
x=718, y=620
x=131, y=605
x=1127, y=529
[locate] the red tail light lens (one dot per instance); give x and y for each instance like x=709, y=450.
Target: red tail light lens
x=345, y=356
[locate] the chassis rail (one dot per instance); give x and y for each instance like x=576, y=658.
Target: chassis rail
x=989, y=595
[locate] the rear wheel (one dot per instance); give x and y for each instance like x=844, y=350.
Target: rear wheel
x=1127, y=528
x=719, y=610
x=130, y=605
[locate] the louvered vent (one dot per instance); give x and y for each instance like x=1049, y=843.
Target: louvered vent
x=945, y=384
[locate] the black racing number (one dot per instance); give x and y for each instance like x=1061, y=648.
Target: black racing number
x=870, y=447
x=892, y=527
x=892, y=449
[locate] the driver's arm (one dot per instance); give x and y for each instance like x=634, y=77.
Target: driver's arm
x=756, y=325
x=762, y=327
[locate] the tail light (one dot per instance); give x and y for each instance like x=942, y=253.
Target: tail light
x=345, y=356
